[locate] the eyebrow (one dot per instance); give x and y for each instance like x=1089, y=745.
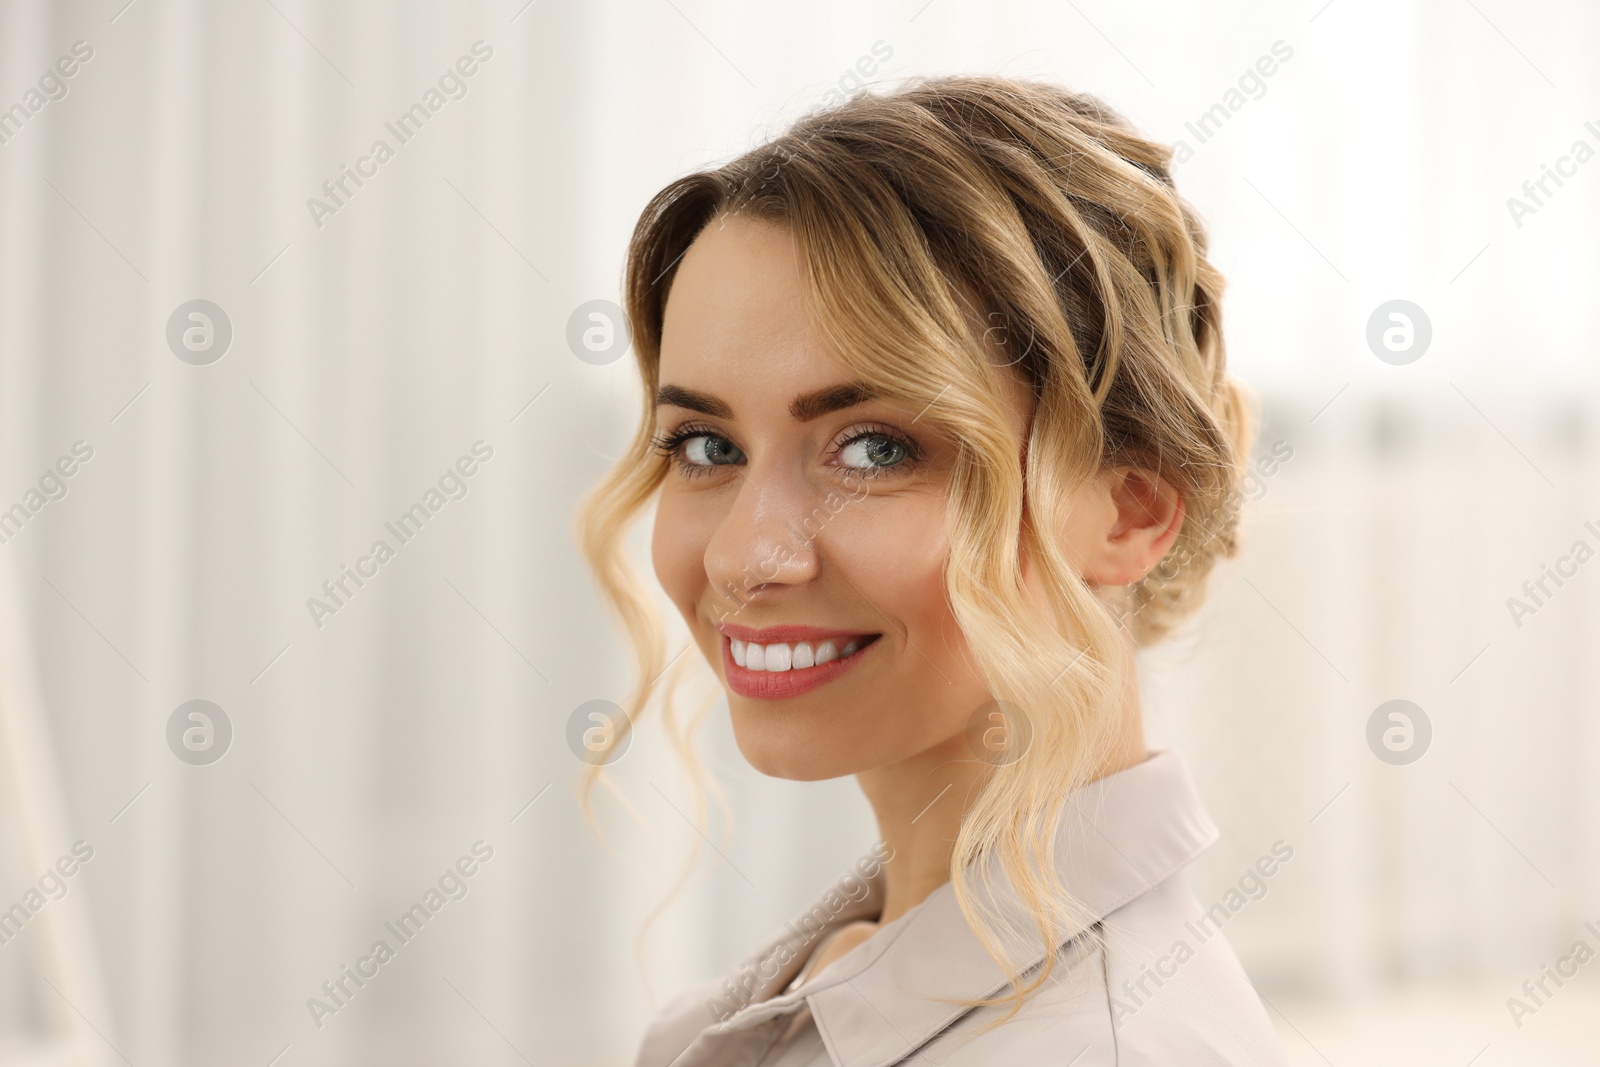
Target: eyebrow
x=803, y=408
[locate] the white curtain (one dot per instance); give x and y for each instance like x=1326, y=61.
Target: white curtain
x=376, y=339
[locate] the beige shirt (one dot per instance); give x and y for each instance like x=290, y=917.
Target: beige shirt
x=1151, y=982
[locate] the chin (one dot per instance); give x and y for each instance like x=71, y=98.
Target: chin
x=777, y=750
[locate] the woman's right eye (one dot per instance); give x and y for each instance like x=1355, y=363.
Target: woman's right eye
x=709, y=450
x=696, y=450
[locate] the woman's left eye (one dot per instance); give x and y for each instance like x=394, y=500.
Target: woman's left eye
x=873, y=451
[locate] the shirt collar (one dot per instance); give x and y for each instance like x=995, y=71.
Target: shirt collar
x=1116, y=838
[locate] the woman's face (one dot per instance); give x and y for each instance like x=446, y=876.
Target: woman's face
x=801, y=527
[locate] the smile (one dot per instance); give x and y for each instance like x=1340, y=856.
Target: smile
x=775, y=669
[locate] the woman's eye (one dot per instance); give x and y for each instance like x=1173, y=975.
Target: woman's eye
x=709, y=450
x=872, y=452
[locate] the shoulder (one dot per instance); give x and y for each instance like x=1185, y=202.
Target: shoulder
x=1155, y=988
x=1176, y=992
x=712, y=1021
x=678, y=1023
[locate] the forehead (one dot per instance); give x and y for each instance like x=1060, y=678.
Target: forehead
x=738, y=321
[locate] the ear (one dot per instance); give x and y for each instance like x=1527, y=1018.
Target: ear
x=1128, y=522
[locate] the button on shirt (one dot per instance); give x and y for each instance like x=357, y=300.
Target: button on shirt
x=1147, y=980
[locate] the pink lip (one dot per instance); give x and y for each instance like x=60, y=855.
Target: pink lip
x=781, y=685
x=772, y=635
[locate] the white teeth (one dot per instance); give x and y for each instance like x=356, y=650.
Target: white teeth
x=780, y=656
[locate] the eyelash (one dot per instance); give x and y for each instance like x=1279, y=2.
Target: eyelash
x=670, y=445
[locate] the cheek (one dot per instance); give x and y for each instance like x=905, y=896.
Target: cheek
x=678, y=550
x=895, y=554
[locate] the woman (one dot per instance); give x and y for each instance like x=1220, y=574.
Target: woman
x=940, y=434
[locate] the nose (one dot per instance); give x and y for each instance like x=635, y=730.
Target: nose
x=764, y=541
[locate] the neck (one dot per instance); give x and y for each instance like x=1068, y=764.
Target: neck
x=920, y=803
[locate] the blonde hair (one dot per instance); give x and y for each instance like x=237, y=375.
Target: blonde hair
x=1064, y=222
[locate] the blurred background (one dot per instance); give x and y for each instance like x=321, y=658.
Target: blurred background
x=184, y=484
